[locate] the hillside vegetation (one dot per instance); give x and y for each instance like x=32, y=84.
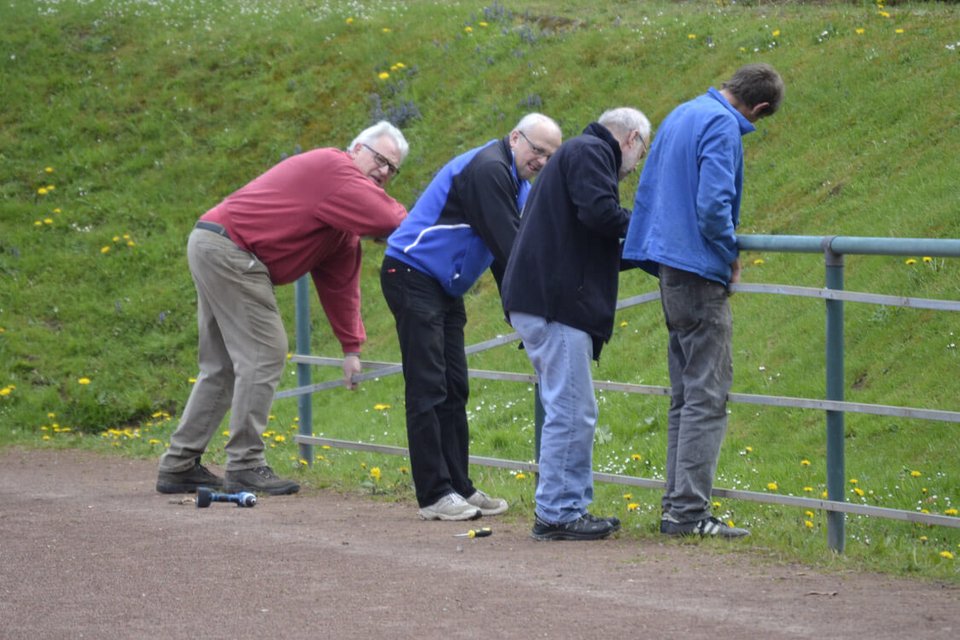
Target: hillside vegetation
x=123, y=121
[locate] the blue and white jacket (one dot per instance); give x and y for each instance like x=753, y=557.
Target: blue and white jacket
x=466, y=220
x=687, y=206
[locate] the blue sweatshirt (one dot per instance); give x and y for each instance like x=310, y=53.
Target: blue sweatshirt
x=466, y=220
x=687, y=206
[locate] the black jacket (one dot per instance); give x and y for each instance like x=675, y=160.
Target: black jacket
x=565, y=261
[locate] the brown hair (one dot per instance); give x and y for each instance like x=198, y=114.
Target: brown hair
x=756, y=83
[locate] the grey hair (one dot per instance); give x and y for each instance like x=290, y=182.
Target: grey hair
x=623, y=120
x=532, y=120
x=377, y=131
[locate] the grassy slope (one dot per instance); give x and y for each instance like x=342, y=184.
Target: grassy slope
x=149, y=114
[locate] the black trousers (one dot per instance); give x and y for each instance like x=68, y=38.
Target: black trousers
x=430, y=328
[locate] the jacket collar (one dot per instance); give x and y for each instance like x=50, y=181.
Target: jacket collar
x=745, y=125
x=597, y=130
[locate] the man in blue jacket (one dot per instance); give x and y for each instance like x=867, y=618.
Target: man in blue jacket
x=560, y=294
x=683, y=229
x=464, y=223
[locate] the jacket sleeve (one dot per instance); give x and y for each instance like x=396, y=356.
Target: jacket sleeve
x=489, y=196
x=719, y=155
x=337, y=281
x=360, y=207
x=593, y=188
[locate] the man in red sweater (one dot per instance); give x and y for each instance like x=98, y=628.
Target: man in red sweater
x=305, y=215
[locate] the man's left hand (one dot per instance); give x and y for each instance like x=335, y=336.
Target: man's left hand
x=351, y=367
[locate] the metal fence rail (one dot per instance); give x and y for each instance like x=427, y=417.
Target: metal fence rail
x=835, y=407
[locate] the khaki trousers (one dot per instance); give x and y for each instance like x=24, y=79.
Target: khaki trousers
x=242, y=352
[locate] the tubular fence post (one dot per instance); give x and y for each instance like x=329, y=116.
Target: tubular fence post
x=835, y=391
x=302, y=297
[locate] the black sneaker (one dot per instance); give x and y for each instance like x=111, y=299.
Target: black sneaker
x=613, y=520
x=187, y=481
x=587, y=527
x=258, y=479
x=709, y=526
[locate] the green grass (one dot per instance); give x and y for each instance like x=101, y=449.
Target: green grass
x=149, y=113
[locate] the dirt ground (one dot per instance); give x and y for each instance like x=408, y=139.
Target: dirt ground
x=88, y=549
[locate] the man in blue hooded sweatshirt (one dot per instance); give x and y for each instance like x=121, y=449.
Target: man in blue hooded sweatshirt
x=683, y=229
x=464, y=223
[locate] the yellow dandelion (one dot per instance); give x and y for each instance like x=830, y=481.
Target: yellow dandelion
x=804, y=463
x=633, y=506
x=38, y=223
x=104, y=250
x=520, y=475
x=636, y=457
x=748, y=449
x=116, y=238
x=772, y=486
x=898, y=30
x=860, y=31
x=404, y=470
x=808, y=513
x=51, y=187
x=950, y=512
x=279, y=438
x=380, y=406
x=885, y=14
x=731, y=524
x=349, y=21
x=302, y=462
x=42, y=191
x=191, y=380
x=946, y=555
x=51, y=415
x=923, y=490
x=48, y=221
x=375, y=474
x=854, y=481
x=628, y=496
x=910, y=261
x=48, y=169
x=923, y=538
x=858, y=491
x=383, y=75
x=927, y=259
x=153, y=441
x=808, y=524
x=400, y=65
x=83, y=381
x=468, y=29
x=776, y=33
x=57, y=210
x=385, y=30
x=715, y=504
x=5, y=391
x=824, y=494
x=483, y=24
x=691, y=36
x=623, y=323
x=915, y=474
x=44, y=437
x=758, y=262
x=325, y=446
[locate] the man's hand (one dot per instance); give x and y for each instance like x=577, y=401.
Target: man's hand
x=351, y=366
x=735, y=271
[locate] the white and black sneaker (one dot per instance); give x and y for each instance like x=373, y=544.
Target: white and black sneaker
x=708, y=526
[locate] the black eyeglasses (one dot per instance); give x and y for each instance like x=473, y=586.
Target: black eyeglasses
x=538, y=151
x=381, y=160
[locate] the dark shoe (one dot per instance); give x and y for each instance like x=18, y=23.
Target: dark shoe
x=613, y=520
x=587, y=527
x=187, y=481
x=709, y=526
x=259, y=479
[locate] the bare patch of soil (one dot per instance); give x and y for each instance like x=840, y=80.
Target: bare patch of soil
x=88, y=549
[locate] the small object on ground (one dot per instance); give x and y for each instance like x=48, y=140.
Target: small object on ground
x=242, y=499
x=475, y=533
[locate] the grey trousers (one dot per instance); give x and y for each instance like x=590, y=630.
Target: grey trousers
x=700, y=326
x=242, y=352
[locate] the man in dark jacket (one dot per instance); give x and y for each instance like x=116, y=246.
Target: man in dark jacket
x=464, y=222
x=560, y=294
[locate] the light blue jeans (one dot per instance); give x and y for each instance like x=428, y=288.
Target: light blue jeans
x=561, y=357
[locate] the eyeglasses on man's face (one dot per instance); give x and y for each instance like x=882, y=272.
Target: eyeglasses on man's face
x=540, y=152
x=381, y=160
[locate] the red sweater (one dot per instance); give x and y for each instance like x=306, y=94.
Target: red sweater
x=306, y=215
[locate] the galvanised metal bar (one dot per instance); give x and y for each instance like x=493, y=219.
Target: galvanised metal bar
x=851, y=245
x=836, y=466
x=305, y=405
x=737, y=494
